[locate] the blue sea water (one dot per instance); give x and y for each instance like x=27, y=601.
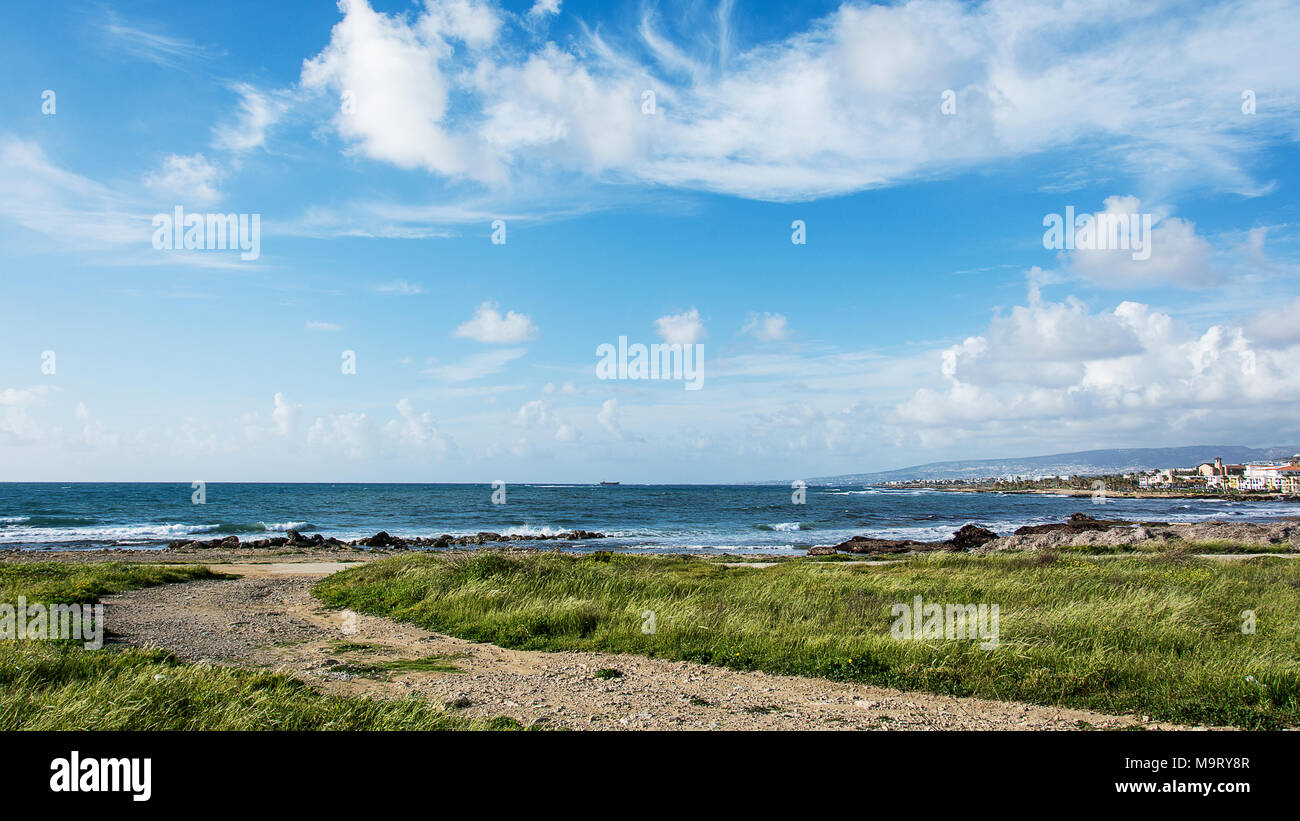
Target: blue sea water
x=710, y=518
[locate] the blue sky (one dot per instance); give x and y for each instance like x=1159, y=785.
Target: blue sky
x=923, y=319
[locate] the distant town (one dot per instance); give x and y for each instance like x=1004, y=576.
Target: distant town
x=1281, y=477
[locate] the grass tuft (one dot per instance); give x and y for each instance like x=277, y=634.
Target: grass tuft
x=1156, y=635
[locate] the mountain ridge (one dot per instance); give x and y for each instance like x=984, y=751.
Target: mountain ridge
x=1082, y=463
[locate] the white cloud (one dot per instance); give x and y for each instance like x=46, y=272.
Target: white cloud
x=284, y=416
x=400, y=287
x=683, y=328
x=609, y=418
x=414, y=430
x=476, y=366
x=153, y=46
x=849, y=103
x=43, y=197
x=1049, y=368
x=1178, y=255
x=316, y=325
x=258, y=112
x=1276, y=327
x=542, y=8
x=768, y=327
x=350, y=434
x=389, y=69
x=186, y=180
x=488, y=325
x=538, y=414
x=16, y=426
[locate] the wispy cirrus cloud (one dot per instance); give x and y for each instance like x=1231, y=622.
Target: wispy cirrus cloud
x=852, y=102
x=153, y=45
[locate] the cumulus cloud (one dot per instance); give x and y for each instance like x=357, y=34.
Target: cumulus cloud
x=387, y=72
x=608, y=418
x=415, y=430
x=489, y=325
x=350, y=434
x=16, y=424
x=356, y=436
x=767, y=327
x=1276, y=327
x=1177, y=254
x=683, y=328
x=538, y=414
x=1054, y=366
x=186, y=179
x=284, y=415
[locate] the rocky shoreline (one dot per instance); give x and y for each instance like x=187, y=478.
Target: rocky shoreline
x=381, y=540
x=1081, y=530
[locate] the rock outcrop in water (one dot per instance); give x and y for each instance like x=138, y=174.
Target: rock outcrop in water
x=968, y=537
x=381, y=540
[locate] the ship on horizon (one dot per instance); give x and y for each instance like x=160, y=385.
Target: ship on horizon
x=609, y=483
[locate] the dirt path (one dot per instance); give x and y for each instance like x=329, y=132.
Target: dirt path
x=268, y=618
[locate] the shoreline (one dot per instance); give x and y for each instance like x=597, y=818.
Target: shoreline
x=1080, y=531
x=1110, y=494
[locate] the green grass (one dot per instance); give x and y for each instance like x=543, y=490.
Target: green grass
x=58, y=685
x=440, y=663
x=1158, y=635
x=63, y=583
x=341, y=646
x=1153, y=547
x=50, y=686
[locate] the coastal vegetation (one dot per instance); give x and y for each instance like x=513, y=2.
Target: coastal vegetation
x=1163, y=634
x=60, y=685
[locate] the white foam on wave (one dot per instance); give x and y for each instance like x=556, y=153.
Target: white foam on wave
x=132, y=534
x=281, y=527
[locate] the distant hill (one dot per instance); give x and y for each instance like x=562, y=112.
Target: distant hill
x=1083, y=463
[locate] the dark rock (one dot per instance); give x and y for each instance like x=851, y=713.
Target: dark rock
x=822, y=550
x=970, y=537
x=380, y=539
x=867, y=544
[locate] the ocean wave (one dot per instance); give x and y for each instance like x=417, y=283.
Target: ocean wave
x=786, y=527
x=259, y=527
x=100, y=534
x=48, y=521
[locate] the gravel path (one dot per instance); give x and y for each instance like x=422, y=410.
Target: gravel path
x=269, y=619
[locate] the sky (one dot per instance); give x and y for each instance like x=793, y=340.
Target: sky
x=841, y=209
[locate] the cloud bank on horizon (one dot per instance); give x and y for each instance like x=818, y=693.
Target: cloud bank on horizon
x=842, y=207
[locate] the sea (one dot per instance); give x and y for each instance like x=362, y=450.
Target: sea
x=651, y=518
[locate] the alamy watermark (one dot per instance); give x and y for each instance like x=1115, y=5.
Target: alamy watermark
x=1102, y=231
x=53, y=622
x=946, y=621
x=679, y=361
x=209, y=232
